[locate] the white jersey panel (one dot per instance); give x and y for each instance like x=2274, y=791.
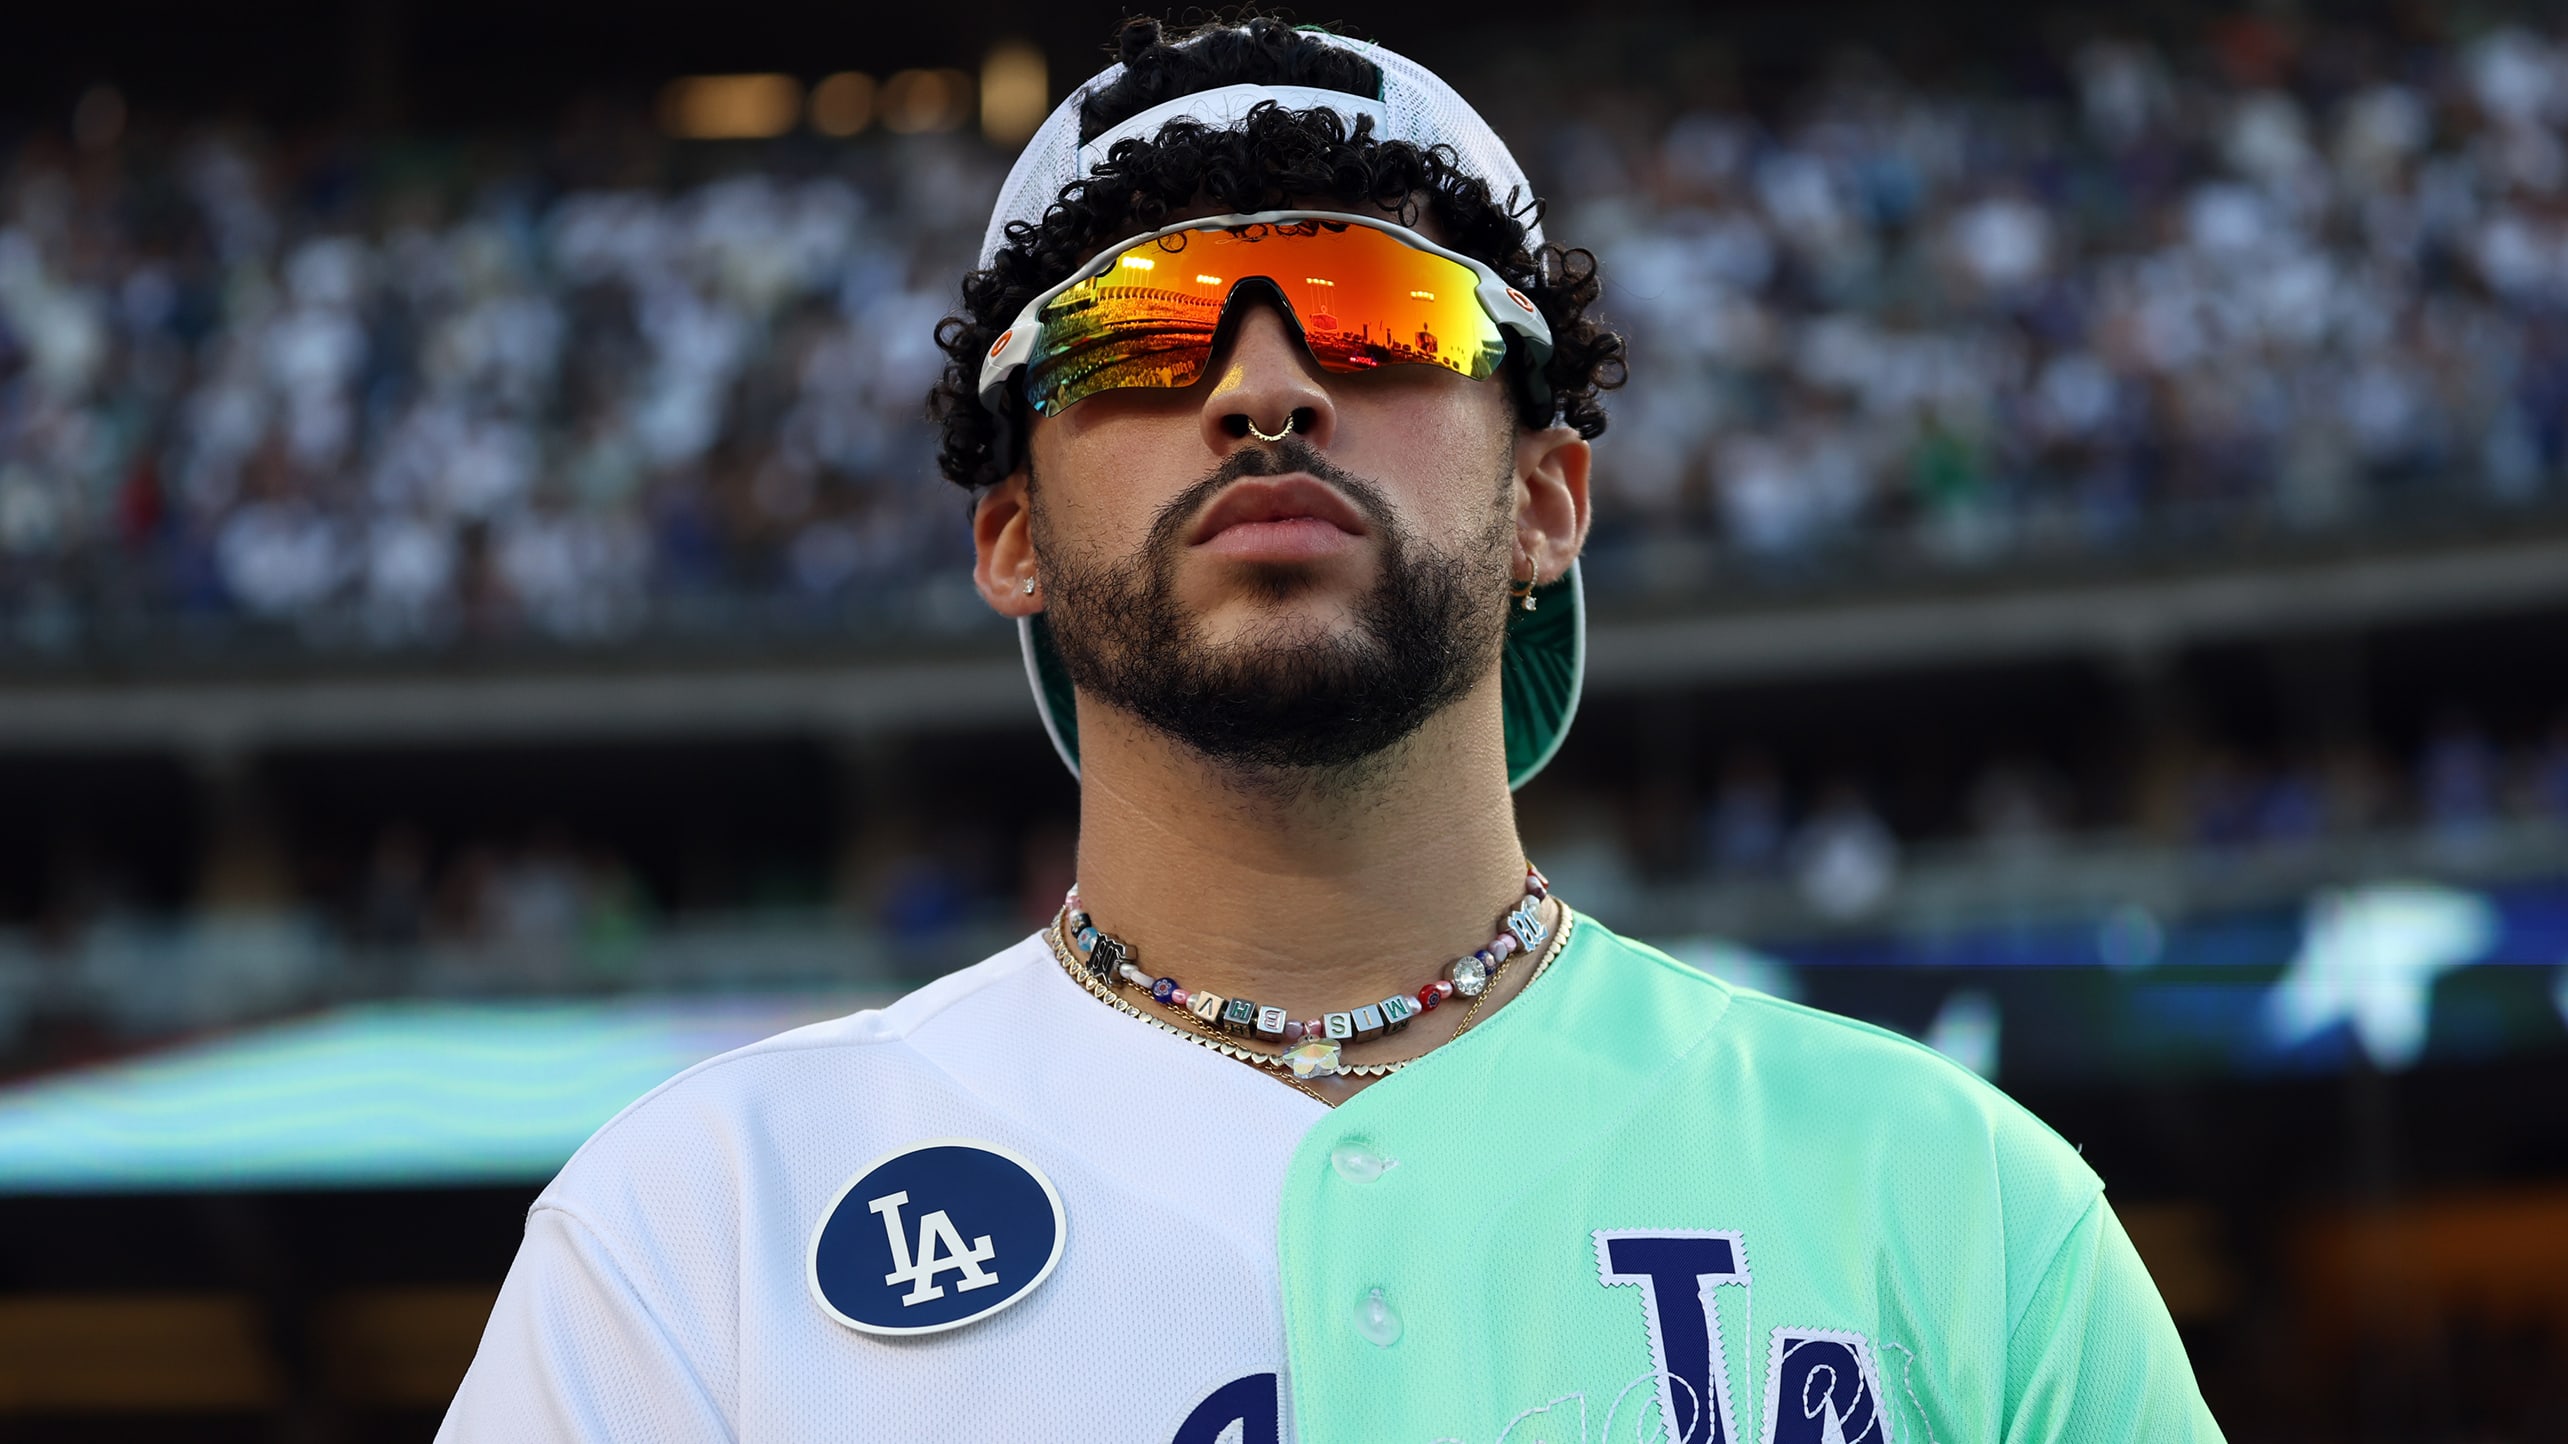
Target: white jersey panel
x=661, y=1290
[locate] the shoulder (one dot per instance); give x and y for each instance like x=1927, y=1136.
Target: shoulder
x=865, y=1071
x=1847, y=1088
x=1811, y=1052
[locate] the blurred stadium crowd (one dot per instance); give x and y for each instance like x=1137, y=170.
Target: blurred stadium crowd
x=1841, y=850
x=1835, y=839
x=1833, y=844
x=2257, y=288
x=380, y=395
x=298, y=387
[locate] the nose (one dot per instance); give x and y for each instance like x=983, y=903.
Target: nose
x=1265, y=381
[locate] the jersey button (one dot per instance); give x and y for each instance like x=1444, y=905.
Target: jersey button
x=1377, y=1320
x=1356, y=1163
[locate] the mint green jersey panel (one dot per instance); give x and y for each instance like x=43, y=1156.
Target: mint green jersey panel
x=2094, y=1359
x=1637, y=1199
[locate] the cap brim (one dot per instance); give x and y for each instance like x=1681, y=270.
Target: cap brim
x=1539, y=676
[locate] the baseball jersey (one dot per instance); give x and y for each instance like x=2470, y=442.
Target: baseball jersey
x=1635, y=1203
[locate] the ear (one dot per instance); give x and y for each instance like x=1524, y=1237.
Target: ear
x=1551, y=498
x=1003, y=548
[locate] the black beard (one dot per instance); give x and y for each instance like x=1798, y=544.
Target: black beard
x=1283, y=701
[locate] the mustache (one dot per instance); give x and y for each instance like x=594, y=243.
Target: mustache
x=1280, y=458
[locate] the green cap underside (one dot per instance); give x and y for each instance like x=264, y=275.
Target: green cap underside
x=1539, y=677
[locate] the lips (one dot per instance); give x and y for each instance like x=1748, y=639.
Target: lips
x=1278, y=499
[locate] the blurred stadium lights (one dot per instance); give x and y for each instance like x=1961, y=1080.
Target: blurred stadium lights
x=730, y=107
x=1966, y=1030
x=919, y=102
x=2368, y=960
x=1015, y=92
x=843, y=104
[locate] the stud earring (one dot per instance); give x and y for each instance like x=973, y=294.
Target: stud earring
x=1029, y=586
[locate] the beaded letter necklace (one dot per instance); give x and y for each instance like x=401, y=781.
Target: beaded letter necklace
x=1312, y=1047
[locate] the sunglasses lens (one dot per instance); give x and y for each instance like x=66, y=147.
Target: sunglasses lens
x=1115, y=332
x=1363, y=298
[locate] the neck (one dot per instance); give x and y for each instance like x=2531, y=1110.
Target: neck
x=1312, y=897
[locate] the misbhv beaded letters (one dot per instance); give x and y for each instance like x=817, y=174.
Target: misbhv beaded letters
x=1312, y=1047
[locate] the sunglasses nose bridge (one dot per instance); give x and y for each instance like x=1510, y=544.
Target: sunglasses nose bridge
x=1263, y=371
x=1251, y=297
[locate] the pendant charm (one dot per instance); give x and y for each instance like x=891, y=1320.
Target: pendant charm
x=1528, y=928
x=1468, y=975
x=1313, y=1058
x=1108, y=955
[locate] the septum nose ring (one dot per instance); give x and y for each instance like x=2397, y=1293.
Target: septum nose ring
x=1292, y=423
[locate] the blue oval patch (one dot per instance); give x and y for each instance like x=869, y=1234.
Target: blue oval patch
x=935, y=1236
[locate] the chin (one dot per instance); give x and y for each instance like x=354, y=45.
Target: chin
x=1301, y=618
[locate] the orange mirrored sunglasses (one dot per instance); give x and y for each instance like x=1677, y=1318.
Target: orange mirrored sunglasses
x=1364, y=292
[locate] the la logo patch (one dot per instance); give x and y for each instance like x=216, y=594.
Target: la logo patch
x=934, y=1237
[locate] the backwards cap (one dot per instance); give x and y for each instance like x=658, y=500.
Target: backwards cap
x=1415, y=105
x=1546, y=649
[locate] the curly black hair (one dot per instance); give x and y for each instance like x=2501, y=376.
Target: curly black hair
x=1275, y=159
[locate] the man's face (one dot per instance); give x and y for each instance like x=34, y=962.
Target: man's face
x=1294, y=604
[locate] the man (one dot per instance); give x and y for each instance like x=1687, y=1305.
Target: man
x=1312, y=1116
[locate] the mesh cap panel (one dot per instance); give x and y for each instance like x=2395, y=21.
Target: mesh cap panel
x=1415, y=106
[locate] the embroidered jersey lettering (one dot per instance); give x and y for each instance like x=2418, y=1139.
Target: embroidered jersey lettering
x=1676, y=1273
x=1213, y=1261
x=1824, y=1390
x=1821, y=1387
x=1244, y=1410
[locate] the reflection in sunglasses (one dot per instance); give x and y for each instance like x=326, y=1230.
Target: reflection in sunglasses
x=1125, y=327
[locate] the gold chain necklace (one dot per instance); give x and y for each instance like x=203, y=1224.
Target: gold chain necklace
x=1281, y=1068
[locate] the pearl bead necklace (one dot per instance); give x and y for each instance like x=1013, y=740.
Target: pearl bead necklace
x=1312, y=1046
